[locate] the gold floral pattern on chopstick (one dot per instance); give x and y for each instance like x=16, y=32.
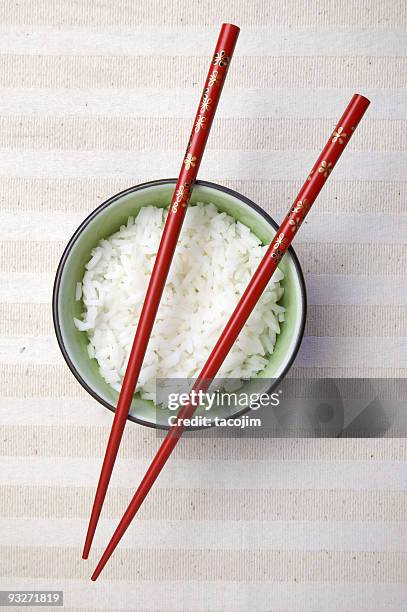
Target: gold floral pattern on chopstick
x=200, y=123
x=339, y=135
x=181, y=194
x=281, y=241
x=206, y=103
x=325, y=168
x=221, y=59
x=295, y=224
x=302, y=206
x=189, y=161
x=214, y=78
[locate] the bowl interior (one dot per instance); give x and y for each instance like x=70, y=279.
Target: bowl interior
x=106, y=220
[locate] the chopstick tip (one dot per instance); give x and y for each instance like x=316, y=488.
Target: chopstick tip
x=100, y=566
x=86, y=550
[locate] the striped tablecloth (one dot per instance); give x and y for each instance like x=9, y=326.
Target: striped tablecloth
x=97, y=95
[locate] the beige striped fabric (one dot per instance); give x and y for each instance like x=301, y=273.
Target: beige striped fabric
x=97, y=96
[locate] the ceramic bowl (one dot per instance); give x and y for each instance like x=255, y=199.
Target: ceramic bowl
x=106, y=220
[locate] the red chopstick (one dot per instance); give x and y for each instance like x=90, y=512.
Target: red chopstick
x=189, y=170
x=282, y=240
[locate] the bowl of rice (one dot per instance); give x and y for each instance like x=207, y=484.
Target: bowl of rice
x=102, y=279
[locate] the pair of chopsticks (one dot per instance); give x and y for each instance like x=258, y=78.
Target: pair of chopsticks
x=282, y=240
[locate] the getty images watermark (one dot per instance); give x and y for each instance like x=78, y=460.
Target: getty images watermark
x=294, y=407
x=209, y=400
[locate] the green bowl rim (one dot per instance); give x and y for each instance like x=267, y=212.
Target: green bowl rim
x=111, y=200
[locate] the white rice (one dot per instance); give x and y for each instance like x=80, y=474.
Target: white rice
x=214, y=261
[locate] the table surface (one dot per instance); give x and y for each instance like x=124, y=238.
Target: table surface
x=97, y=96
